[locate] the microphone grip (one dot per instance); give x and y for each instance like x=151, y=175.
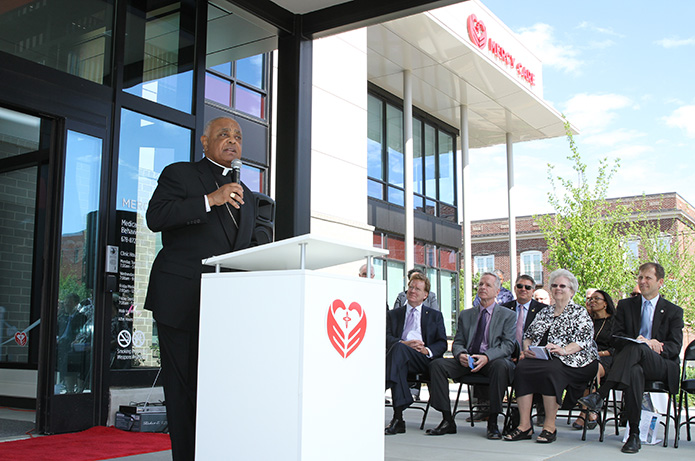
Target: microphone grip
x=236, y=175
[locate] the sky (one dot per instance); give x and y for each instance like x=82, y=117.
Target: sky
x=623, y=73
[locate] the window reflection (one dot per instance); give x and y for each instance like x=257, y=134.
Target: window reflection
x=236, y=78
x=73, y=37
x=147, y=145
x=159, y=53
x=77, y=276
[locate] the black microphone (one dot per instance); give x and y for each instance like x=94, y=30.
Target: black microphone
x=236, y=171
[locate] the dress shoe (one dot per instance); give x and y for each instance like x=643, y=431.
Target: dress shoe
x=396, y=426
x=445, y=427
x=478, y=416
x=593, y=401
x=493, y=432
x=632, y=445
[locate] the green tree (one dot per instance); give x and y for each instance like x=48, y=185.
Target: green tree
x=673, y=249
x=585, y=235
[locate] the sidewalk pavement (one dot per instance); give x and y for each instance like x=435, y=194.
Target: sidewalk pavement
x=470, y=444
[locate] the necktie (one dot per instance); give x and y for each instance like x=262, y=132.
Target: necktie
x=409, y=324
x=520, y=320
x=646, y=319
x=479, y=333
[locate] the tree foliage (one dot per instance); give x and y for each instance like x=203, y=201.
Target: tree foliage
x=588, y=236
x=584, y=235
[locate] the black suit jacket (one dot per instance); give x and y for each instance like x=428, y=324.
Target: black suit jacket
x=667, y=327
x=533, y=308
x=190, y=234
x=431, y=325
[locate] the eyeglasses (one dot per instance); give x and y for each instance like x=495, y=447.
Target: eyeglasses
x=561, y=286
x=593, y=298
x=524, y=287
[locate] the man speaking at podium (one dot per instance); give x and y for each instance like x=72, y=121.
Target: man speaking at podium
x=200, y=212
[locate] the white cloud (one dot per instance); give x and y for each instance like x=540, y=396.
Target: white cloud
x=630, y=152
x=592, y=113
x=612, y=138
x=675, y=42
x=597, y=29
x=683, y=118
x=540, y=38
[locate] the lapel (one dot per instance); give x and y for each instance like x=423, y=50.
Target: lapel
x=209, y=185
x=636, y=311
x=475, y=313
x=658, y=316
x=247, y=216
x=400, y=320
x=494, y=321
x=534, y=307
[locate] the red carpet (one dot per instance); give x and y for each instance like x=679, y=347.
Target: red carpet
x=90, y=445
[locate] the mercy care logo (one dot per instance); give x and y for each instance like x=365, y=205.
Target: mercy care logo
x=477, y=32
x=346, y=326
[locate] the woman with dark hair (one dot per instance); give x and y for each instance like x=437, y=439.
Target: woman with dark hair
x=602, y=311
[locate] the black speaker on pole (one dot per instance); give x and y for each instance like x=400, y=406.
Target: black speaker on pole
x=264, y=230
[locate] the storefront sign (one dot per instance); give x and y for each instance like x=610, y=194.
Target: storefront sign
x=477, y=32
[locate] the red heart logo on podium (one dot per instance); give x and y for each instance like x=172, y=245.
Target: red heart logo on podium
x=477, y=31
x=20, y=338
x=346, y=327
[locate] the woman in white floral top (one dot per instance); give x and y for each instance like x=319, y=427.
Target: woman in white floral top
x=566, y=331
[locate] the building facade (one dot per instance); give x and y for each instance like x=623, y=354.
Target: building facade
x=357, y=121
x=674, y=215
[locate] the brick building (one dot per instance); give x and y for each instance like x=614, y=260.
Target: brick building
x=490, y=237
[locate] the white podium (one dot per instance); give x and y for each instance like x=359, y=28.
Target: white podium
x=291, y=361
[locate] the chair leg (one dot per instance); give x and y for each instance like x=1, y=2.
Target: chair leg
x=470, y=404
x=458, y=396
x=678, y=419
x=424, y=416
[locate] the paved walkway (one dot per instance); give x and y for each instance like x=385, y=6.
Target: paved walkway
x=470, y=444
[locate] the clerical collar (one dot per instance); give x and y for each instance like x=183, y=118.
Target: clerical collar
x=225, y=170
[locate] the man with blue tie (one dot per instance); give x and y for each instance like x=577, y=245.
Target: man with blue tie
x=658, y=326
x=415, y=336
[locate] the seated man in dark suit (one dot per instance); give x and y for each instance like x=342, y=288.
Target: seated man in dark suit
x=485, y=335
x=658, y=324
x=415, y=336
x=402, y=298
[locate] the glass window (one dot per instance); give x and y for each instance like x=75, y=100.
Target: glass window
x=17, y=219
x=394, y=136
x=531, y=264
x=395, y=277
x=252, y=177
x=73, y=37
x=249, y=101
x=447, y=176
x=147, y=145
x=218, y=89
x=19, y=133
x=159, y=53
x=418, y=175
x=378, y=265
x=250, y=70
x=375, y=139
x=430, y=162
x=484, y=263
x=447, y=302
x=75, y=313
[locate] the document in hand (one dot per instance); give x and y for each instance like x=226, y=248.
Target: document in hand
x=638, y=341
x=541, y=352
